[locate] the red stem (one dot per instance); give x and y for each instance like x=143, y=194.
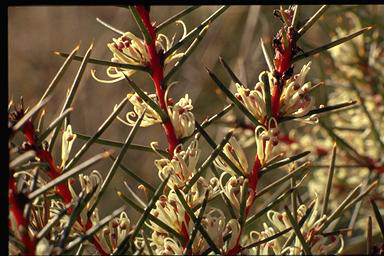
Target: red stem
x=157, y=67
x=61, y=189
x=16, y=208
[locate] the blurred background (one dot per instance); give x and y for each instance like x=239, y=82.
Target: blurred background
x=36, y=31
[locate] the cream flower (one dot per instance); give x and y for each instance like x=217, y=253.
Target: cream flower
x=181, y=166
x=129, y=49
x=114, y=233
x=295, y=99
x=151, y=117
x=266, y=140
x=182, y=119
x=254, y=100
x=237, y=156
x=232, y=189
x=66, y=144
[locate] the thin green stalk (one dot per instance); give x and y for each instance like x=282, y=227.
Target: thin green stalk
x=374, y=129
x=98, y=133
x=176, y=17
x=151, y=217
x=105, y=62
x=320, y=110
x=140, y=24
x=311, y=21
x=208, y=161
x=22, y=159
x=186, y=54
x=188, y=37
x=233, y=98
x=213, y=146
x=223, y=195
x=109, y=26
x=147, y=210
x=195, y=220
x=329, y=45
x=92, y=231
x=230, y=72
x=209, y=121
x=199, y=227
x=299, y=235
x=116, y=163
x=283, y=162
x=53, y=125
x=328, y=187
x=63, y=177
x=29, y=115
x=378, y=216
x=133, y=175
x=243, y=202
x=301, y=168
x=71, y=95
x=147, y=100
x=59, y=73
x=266, y=56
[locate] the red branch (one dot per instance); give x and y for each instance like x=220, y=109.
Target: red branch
x=16, y=208
x=157, y=73
x=61, y=189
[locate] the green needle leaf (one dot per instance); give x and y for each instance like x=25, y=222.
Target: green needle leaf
x=63, y=177
x=53, y=125
x=151, y=217
x=378, y=216
x=176, y=17
x=116, y=163
x=71, y=95
x=230, y=72
x=311, y=21
x=109, y=26
x=119, y=144
x=232, y=97
x=283, y=162
x=60, y=73
x=140, y=24
x=330, y=45
x=22, y=159
x=147, y=100
x=299, y=235
x=92, y=231
x=320, y=110
x=266, y=56
x=150, y=206
x=100, y=131
x=329, y=182
x=188, y=37
x=133, y=175
x=208, y=161
x=209, y=121
x=186, y=54
x=105, y=62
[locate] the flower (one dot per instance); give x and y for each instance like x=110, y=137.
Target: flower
x=114, y=233
x=151, y=117
x=181, y=167
x=237, y=156
x=181, y=116
x=319, y=243
x=232, y=189
x=129, y=49
x=170, y=211
x=66, y=144
x=266, y=140
x=254, y=100
x=295, y=99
